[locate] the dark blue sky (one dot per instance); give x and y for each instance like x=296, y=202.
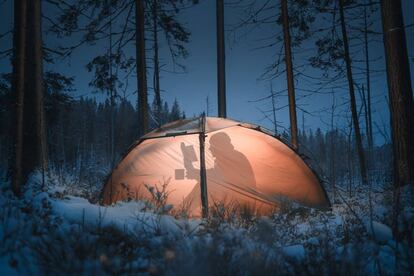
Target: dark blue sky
x=244, y=65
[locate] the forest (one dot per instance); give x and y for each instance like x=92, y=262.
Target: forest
x=211, y=137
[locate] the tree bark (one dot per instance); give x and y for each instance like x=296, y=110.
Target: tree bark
x=333, y=148
x=347, y=58
x=111, y=92
x=366, y=117
x=368, y=79
x=273, y=108
x=156, y=77
x=289, y=75
x=221, y=60
x=19, y=56
x=141, y=66
x=399, y=90
x=38, y=84
x=34, y=141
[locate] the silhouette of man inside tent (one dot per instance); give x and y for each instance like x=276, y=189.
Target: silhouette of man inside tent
x=231, y=177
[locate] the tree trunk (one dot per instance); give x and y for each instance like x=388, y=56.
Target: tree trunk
x=273, y=108
x=347, y=58
x=156, y=77
x=141, y=66
x=333, y=149
x=368, y=79
x=289, y=75
x=39, y=85
x=111, y=94
x=221, y=60
x=399, y=90
x=19, y=56
x=350, y=158
x=34, y=142
x=366, y=117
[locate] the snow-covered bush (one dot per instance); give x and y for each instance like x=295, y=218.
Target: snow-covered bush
x=55, y=229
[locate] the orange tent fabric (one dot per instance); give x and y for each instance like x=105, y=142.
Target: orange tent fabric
x=244, y=165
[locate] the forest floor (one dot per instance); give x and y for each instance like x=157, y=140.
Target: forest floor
x=54, y=228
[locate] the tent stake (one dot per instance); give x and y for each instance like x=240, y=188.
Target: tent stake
x=203, y=179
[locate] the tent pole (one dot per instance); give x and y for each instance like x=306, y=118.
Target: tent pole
x=203, y=178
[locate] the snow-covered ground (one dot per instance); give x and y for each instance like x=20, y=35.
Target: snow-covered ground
x=53, y=230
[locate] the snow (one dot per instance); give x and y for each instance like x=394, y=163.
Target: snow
x=381, y=232
x=313, y=241
x=53, y=230
x=296, y=251
x=125, y=216
x=5, y=268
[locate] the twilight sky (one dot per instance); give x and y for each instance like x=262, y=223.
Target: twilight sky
x=244, y=66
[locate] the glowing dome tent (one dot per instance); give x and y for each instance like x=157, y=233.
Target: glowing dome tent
x=205, y=160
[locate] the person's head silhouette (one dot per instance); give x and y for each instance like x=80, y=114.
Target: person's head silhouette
x=220, y=143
